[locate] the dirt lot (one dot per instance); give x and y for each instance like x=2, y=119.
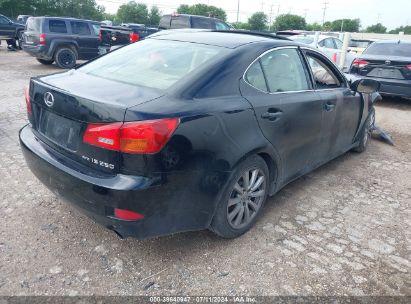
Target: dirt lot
x=344, y=229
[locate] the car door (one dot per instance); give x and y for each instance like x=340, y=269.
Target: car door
x=86, y=39
x=341, y=107
x=287, y=108
x=6, y=29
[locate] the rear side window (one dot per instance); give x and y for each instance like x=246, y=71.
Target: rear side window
x=96, y=29
x=164, y=22
x=80, y=28
x=33, y=25
x=284, y=71
x=327, y=43
x=180, y=22
x=57, y=26
x=338, y=43
x=255, y=77
x=201, y=23
x=3, y=20
x=389, y=49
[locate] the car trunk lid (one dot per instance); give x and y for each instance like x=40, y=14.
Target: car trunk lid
x=379, y=66
x=63, y=105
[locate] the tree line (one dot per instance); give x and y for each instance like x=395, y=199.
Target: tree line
x=134, y=12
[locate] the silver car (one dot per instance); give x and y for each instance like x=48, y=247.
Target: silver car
x=330, y=46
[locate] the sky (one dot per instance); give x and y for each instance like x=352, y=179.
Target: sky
x=391, y=13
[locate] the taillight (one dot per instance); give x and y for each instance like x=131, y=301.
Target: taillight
x=409, y=66
x=360, y=63
x=42, y=39
x=139, y=137
x=100, y=36
x=28, y=101
x=127, y=215
x=134, y=37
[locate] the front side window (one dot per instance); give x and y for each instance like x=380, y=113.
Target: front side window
x=338, y=43
x=284, y=71
x=80, y=28
x=154, y=63
x=327, y=43
x=323, y=76
x=57, y=26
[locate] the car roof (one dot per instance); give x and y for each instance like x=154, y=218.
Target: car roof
x=66, y=18
x=189, y=15
x=227, y=39
x=398, y=41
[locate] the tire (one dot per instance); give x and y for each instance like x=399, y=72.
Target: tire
x=45, y=62
x=365, y=134
x=65, y=58
x=230, y=219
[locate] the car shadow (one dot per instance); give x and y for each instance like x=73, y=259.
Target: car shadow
x=395, y=102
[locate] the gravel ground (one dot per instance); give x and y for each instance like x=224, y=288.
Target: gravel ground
x=344, y=229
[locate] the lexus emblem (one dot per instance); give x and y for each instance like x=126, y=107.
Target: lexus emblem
x=387, y=62
x=49, y=99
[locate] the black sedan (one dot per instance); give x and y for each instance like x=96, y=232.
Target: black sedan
x=190, y=131
x=389, y=62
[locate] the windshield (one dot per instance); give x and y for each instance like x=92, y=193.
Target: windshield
x=305, y=40
x=389, y=49
x=153, y=63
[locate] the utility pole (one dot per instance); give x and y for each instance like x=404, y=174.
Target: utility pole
x=324, y=10
x=378, y=18
x=238, y=9
x=262, y=6
x=305, y=13
x=271, y=17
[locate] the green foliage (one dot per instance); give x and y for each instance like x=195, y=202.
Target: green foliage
x=132, y=12
x=154, y=16
x=257, y=21
x=241, y=25
x=347, y=25
x=289, y=22
x=314, y=27
x=405, y=29
x=202, y=10
x=376, y=28
x=86, y=9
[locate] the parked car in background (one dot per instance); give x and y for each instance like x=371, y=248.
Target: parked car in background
x=63, y=40
x=331, y=46
x=389, y=62
x=357, y=46
x=112, y=37
x=189, y=131
x=11, y=31
x=23, y=18
x=180, y=21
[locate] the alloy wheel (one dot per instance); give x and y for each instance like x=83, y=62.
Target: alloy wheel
x=246, y=198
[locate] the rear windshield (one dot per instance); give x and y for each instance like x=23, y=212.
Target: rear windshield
x=305, y=40
x=153, y=63
x=360, y=43
x=389, y=49
x=33, y=25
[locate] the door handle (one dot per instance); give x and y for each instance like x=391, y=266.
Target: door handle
x=272, y=116
x=329, y=107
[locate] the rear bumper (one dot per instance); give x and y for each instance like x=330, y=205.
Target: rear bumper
x=170, y=204
x=38, y=51
x=393, y=87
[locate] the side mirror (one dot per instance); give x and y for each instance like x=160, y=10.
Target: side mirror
x=365, y=86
